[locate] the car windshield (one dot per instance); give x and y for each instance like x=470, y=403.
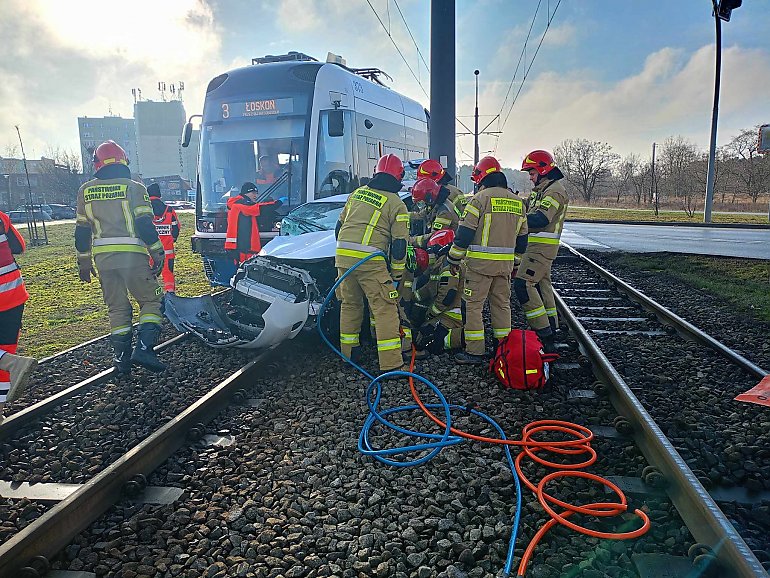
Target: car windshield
x=320, y=216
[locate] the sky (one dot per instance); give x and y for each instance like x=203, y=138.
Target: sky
x=627, y=72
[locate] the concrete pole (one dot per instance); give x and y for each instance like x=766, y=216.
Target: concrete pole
x=442, y=83
x=714, y=115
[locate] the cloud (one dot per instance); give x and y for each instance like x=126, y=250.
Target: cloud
x=671, y=95
x=64, y=59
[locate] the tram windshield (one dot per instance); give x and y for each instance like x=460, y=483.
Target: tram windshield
x=271, y=153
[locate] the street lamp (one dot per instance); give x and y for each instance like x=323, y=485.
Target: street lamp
x=476, y=125
x=722, y=11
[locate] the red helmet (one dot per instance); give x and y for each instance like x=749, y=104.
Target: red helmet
x=442, y=238
x=425, y=190
x=422, y=259
x=392, y=165
x=109, y=153
x=541, y=161
x=486, y=166
x=430, y=169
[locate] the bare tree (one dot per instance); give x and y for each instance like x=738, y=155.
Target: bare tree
x=586, y=164
x=10, y=151
x=752, y=170
x=623, y=174
x=64, y=175
x=680, y=172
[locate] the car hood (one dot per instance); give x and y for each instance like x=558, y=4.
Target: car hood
x=305, y=247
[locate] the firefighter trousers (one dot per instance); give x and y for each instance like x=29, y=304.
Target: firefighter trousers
x=376, y=286
x=534, y=290
x=454, y=332
x=476, y=289
x=142, y=285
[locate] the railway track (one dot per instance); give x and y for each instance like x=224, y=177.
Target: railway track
x=289, y=494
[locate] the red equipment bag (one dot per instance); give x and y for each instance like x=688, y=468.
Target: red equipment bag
x=519, y=361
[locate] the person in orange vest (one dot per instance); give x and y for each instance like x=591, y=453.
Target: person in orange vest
x=268, y=171
x=242, y=238
x=14, y=369
x=167, y=225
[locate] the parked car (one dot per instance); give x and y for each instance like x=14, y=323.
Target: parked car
x=20, y=217
x=62, y=211
x=180, y=204
x=45, y=208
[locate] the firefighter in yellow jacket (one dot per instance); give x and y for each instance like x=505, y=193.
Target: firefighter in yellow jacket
x=114, y=224
x=545, y=219
x=443, y=324
x=493, y=229
x=374, y=219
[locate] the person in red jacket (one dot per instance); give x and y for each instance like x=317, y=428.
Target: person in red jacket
x=242, y=238
x=167, y=225
x=15, y=370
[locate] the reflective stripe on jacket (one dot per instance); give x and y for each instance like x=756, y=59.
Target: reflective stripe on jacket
x=164, y=225
x=12, y=290
x=550, y=198
x=371, y=221
x=497, y=217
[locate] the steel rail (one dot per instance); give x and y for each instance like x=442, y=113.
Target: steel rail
x=700, y=513
x=14, y=422
x=668, y=317
x=58, y=354
x=52, y=531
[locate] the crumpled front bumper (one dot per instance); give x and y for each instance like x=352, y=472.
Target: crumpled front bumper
x=276, y=313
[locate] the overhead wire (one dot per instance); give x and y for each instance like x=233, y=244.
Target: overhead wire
x=395, y=45
x=526, y=72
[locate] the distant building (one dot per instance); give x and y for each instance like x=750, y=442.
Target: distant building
x=48, y=183
x=190, y=158
x=158, y=137
x=94, y=131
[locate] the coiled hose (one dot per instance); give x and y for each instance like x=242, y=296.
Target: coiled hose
x=579, y=444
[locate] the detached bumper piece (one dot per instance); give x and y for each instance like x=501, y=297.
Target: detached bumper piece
x=269, y=304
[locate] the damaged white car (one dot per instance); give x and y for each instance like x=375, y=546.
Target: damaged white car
x=276, y=294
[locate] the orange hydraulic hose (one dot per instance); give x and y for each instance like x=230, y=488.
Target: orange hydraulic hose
x=530, y=447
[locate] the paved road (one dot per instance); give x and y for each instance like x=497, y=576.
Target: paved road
x=751, y=243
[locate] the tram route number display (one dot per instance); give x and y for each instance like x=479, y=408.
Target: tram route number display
x=255, y=108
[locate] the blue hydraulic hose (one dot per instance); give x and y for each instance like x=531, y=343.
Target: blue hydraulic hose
x=438, y=441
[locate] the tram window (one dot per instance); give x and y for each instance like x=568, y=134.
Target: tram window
x=334, y=163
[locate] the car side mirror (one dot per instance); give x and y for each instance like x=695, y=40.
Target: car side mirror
x=187, y=135
x=336, y=123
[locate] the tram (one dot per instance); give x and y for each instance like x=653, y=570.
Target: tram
x=301, y=130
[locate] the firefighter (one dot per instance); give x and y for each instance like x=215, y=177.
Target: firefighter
x=417, y=261
x=443, y=325
x=432, y=169
x=493, y=229
x=242, y=239
x=114, y=223
x=441, y=212
x=545, y=218
x=15, y=370
x=167, y=226
x=374, y=219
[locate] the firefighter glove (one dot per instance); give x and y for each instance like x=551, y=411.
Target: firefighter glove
x=86, y=269
x=158, y=257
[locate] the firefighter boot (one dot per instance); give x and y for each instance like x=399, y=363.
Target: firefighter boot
x=554, y=327
x=20, y=369
x=121, y=358
x=144, y=355
x=547, y=339
x=464, y=358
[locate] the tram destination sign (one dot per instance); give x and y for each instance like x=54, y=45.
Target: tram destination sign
x=256, y=108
